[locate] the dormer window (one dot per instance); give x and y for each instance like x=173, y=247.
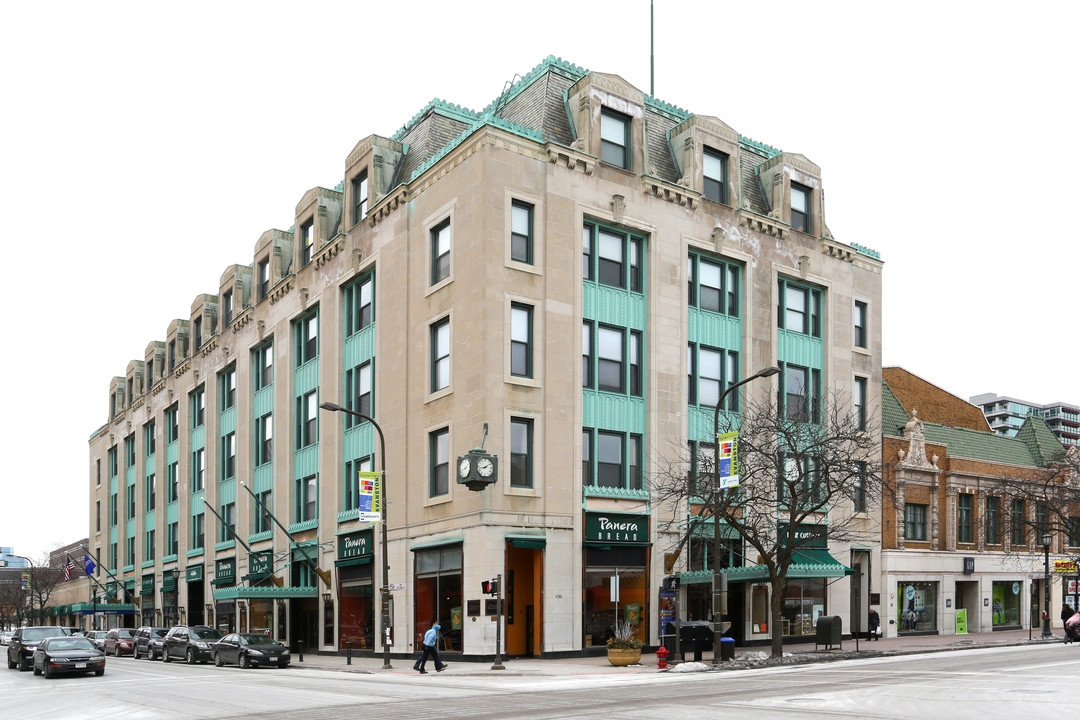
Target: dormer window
x=615, y=138
x=800, y=208
x=227, y=308
x=359, y=197
x=264, y=278
x=714, y=170
x=149, y=381
x=307, y=232
x=198, y=332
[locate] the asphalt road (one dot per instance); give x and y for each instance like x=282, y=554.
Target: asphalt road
x=1020, y=683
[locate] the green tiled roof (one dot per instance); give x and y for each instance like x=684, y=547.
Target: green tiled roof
x=1040, y=439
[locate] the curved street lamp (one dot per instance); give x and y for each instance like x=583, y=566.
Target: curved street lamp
x=720, y=578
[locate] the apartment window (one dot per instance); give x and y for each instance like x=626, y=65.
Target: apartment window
x=227, y=523
x=797, y=393
x=609, y=362
x=614, y=138
x=914, y=522
x=440, y=355
x=1073, y=531
x=149, y=381
x=611, y=250
x=112, y=555
x=130, y=502
x=198, y=470
x=130, y=390
x=586, y=252
x=150, y=541
x=860, y=324
x=439, y=459
x=113, y=467
x=860, y=402
x=149, y=438
x=264, y=278
x=634, y=351
x=198, y=531
x=307, y=413
x=964, y=520
x=112, y=509
x=586, y=354
x=98, y=461
x=618, y=257
x=353, y=468
x=307, y=238
x=633, y=458
x=358, y=393
x=521, y=322
x=307, y=338
x=800, y=207
x=993, y=520
x=198, y=407
x=172, y=355
x=227, y=383
x=859, y=499
x=98, y=517
x=521, y=442
x=586, y=457
x=307, y=494
x=261, y=514
x=358, y=305
x=710, y=370
x=172, y=541
x=172, y=482
x=228, y=456
x=1019, y=523
x=714, y=170
x=617, y=459
x=264, y=439
x=129, y=551
x=129, y=451
x=712, y=285
x=800, y=309
x=359, y=197
x=440, y=252
x=521, y=232
x=172, y=424
x=1042, y=519
x=151, y=491
x=226, y=309
x=197, y=332
x=264, y=366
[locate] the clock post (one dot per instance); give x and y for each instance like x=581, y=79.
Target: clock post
x=477, y=469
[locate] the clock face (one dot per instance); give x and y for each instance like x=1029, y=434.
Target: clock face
x=485, y=467
x=463, y=467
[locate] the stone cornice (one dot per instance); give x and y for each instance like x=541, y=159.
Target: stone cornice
x=209, y=346
x=570, y=158
x=330, y=250
x=182, y=368
x=387, y=205
x=138, y=402
x=671, y=192
x=158, y=387
x=315, y=193
x=282, y=289
x=709, y=124
x=762, y=224
x=837, y=250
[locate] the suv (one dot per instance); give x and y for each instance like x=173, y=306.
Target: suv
x=194, y=643
x=20, y=652
x=120, y=640
x=148, y=641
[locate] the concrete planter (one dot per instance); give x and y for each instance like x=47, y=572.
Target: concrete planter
x=624, y=656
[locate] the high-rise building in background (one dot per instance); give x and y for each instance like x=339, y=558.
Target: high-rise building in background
x=1006, y=415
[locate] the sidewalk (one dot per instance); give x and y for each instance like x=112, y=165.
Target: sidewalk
x=801, y=653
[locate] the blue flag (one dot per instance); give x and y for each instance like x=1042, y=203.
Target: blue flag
x=88, y=564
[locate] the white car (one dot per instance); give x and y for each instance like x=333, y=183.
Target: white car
x=5, y=637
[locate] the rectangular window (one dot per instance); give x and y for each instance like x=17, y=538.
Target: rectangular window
x=521, y=232
x=228, y=456
x=261, y=512
x=359, y=197
x=521, y=321
x=172, y=540
x=148, y=551
x=1072, y=531
x=800, y=309
x=227, y=524
x=197, y=405
x=112, y=509
x=172, y=482
x=611, y=259
x=198, y=470
x=264, y=365
x=113, y=462
x=796, y=391
x=712, y=285
x=130, y=502
x=1019, y=523
x=264, y=278
x=610, y=459
x=586, y=354
x=172, y=424
x=439, y=458
x=586, y=457
x=227, y=383
x=440, y=355
x=352, y=480
x=307, y=413
x=98, y=516
x=307, y=240
x=633, y=458
x=129, y=551
x=636, y=374
x=800, y=208
x=264, y=439
x=860, y=488
x=172, y=355
x=226, y=309
x=614, y=138
x=129, y=451
x=307, y=338
x=440, y=252
x=149, y=380
x=198, y=531
x=993, y=520
x=358, y=393
x=618, y=257
x=860, y=403
x=358, y=305
x=914, y=522
x=860, y=324
x=197, y=332
x=521, y=442
x=586, y=252
x=714, y=171
x=609, y=362
x=151, y=491
x=307, y=494
x=964, y=524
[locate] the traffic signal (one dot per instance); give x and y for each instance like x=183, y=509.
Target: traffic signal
x=671, y=582
x=490, y=587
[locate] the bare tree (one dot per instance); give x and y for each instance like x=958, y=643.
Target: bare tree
x=803, y=470
x=13, y=602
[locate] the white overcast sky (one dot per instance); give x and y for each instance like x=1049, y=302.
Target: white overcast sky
x=145, y=147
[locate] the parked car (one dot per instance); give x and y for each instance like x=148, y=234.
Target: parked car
x=194, y=643
x=20, y=652
x=250, y=650
x=98, y=638
x=120, y=640
x=148, y=641
x=5, y=637
x=68, y=654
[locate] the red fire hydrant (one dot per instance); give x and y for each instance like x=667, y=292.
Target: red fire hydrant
x=661, y=657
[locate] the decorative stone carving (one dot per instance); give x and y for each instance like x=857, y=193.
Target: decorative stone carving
x=718, y=235
x=804, y=265
x=618, y=205
x=916, y=437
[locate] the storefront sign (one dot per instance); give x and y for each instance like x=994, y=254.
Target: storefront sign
x=617, y=529
x=261, y=563
x=969, y=565
x=961, y=621
x=355, y=545
x=1065, y=566
x=148, y=584
x=224, y=571
x=806, y=536
x=194, y=573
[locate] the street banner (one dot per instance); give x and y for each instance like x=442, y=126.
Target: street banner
x=370, y=496
x=728, y=468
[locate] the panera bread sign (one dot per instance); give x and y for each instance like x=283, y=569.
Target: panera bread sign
x=355, y=545
x=616, y=529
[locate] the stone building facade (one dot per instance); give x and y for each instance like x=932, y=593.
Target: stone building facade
x=566, y=277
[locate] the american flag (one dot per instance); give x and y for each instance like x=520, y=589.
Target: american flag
x=68, y=567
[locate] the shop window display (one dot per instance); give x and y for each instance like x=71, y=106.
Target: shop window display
x=601, y=613
x=917, y=609
x=1005, y=604
x=802, y=604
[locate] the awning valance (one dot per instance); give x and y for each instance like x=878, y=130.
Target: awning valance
x=807, y=563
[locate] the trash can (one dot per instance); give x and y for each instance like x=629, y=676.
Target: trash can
x=828, y=632
x=694, y=636
x=727, y=648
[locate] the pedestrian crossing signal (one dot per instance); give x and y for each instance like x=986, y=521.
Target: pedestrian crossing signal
x=490, y=587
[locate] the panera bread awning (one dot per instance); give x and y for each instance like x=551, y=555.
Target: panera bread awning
x=806, y=563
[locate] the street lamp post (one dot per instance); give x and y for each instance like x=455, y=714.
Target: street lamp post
x=1047, y=538
x=384, y=594
x=720, y=578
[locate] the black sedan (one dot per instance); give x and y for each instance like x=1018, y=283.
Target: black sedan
x=250, y=650
x=71, y=654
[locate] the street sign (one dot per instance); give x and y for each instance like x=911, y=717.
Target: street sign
x=395, y=586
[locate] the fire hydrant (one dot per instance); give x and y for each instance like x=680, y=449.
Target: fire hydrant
x=661, y=657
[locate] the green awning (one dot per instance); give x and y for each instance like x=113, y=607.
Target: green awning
x=269, y=593
x=806, y=563
x=428, y=544
x=527, y=542
x=366, y=560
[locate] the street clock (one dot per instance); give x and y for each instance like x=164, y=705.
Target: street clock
x=477, y=469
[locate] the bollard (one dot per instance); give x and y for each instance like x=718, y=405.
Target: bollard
x=348, y=652
x=300, y=649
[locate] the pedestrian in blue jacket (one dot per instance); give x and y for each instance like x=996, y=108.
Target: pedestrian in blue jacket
x=431, y=649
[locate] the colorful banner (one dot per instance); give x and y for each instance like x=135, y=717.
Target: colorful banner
x=370, y=496
x=728, y=468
